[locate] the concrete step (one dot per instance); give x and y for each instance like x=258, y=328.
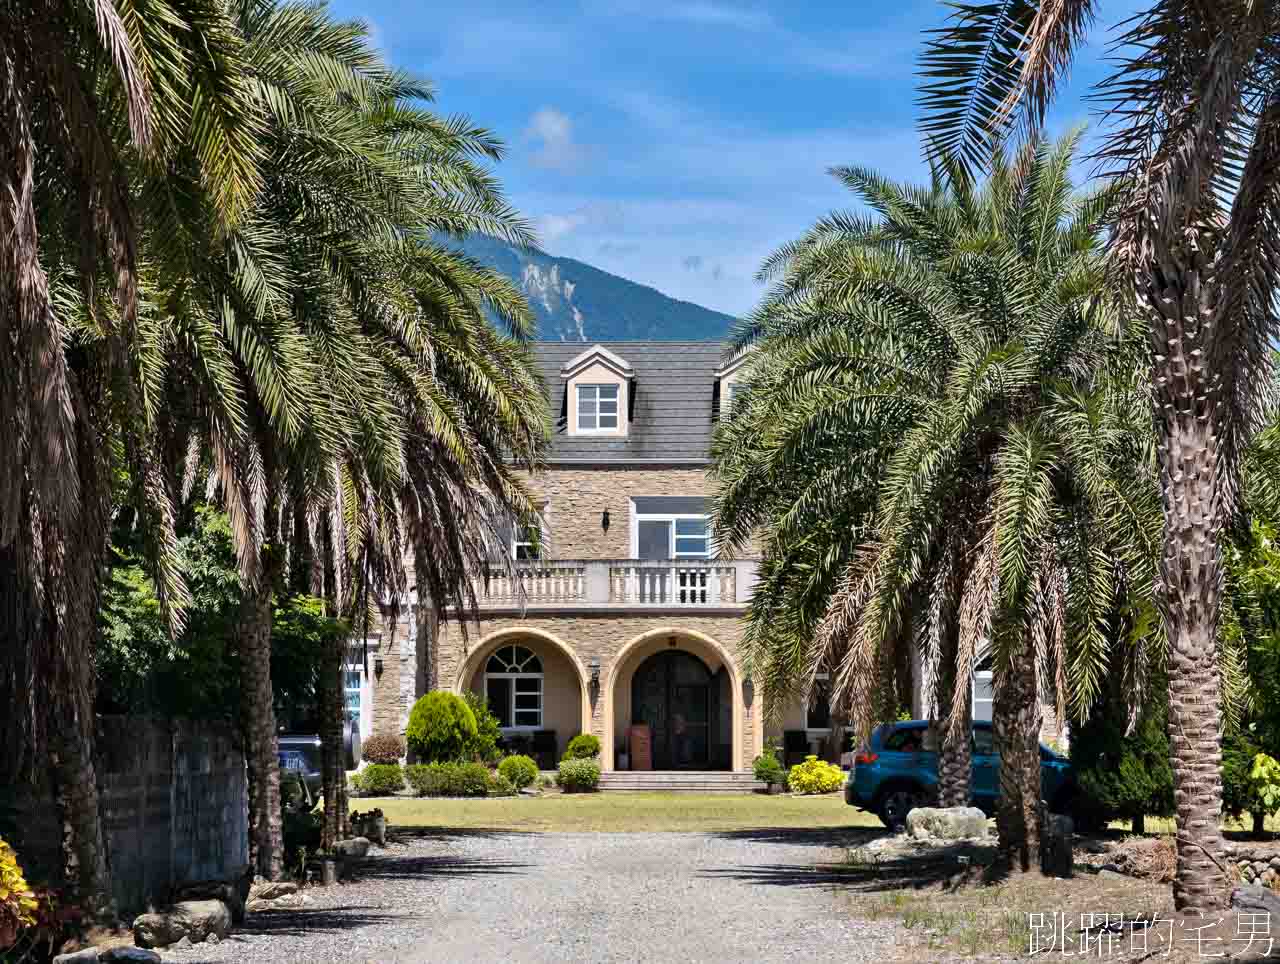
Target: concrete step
x=693, y=781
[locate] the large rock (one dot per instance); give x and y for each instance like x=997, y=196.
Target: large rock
x=352, y=847
x=946, y=823
x=1256, y=900
x=231, y=893
x=272, y=889
x=130, y=955
x=192, y=919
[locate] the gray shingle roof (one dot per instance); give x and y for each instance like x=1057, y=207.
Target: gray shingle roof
x=673, y=401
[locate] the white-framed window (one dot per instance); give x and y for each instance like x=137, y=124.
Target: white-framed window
x=597, y=408
x=355, y=685
x=983, y=695
x=526, y=542
x=731, y=396
x=692, y=537
x=513, y=686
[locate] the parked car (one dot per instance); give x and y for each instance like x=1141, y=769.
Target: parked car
x=300, y=753
x=896, y=771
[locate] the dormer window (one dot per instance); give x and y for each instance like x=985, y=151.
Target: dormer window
x=598, y=384
x=598, y=408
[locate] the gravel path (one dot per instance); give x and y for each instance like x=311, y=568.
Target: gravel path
x=573, y=897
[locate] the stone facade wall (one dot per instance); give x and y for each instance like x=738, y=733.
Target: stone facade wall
x=599, y=635
x=174, y=805
x=576, y=498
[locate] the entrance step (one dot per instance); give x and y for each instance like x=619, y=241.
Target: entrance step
x=690, y=781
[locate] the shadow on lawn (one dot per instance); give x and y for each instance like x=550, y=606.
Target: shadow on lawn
x=400, y=833
x=804, y=836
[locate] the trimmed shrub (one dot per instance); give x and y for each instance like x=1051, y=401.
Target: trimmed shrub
x=378, y=780
x=448, y=779
x=500, y=786
x=383, y=748
x=578, y=774
x=768, y=770
x=584, y=746
x=441, y=727
x=483, y=748
x=815, y=776
x=520, y=770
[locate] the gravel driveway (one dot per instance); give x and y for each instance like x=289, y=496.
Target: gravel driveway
x=479, y=896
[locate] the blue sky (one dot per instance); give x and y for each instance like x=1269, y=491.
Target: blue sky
x=678, y=142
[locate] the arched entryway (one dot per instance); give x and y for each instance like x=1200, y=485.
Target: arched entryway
x=535, y=683
x=678, y=697
x=712, y=668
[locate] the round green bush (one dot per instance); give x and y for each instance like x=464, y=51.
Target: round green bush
x=520, y=770
x=379, y=780
x=815, y=776
x=383, y=748
x=441, y=726
x=768, y=770
x=584, y=746
x=577, y=775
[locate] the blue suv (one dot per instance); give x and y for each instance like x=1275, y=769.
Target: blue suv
x=895, y=772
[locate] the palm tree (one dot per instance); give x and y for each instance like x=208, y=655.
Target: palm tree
x=368, y=381
x=93, y=97
x=941, y=447
x=1195, y=113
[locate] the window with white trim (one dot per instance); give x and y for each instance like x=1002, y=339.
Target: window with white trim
x=513, y=687
x=983, y=695
x=692, y=538
x=597, y=408
x=527, y=542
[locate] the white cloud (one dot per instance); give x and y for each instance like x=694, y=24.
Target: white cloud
x=719, y=15
x=551, y=132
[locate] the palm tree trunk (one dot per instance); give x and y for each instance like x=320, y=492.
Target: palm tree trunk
x=955, y=751
x=258, y=719
x=1016, y=721
x=76, y=787
x=333, y=768
x=1192, y=576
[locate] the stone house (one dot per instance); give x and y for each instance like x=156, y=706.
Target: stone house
x=624, y=620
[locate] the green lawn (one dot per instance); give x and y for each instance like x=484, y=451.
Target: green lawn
x=617, y=811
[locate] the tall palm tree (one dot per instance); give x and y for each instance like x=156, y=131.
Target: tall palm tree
x=941, y=446
x=368, y=379
x=93, y=98
x=1194, y=106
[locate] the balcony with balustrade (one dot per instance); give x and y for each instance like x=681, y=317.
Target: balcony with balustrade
x=584, y=584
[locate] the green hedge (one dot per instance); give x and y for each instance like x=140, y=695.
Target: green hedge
x=378, y=780
x=449, y=779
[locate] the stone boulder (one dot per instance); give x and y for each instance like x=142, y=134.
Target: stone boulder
x=129, y=955
x=352, y=847
x=946, y=823
x=192, y=919
x=87, y=956
x=231, y=893
x=1256, y=900
x=271, y=889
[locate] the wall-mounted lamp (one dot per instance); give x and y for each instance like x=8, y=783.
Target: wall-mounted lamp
x=377, y=666
x=594, y=667
x=604, y=520
x=748, y=692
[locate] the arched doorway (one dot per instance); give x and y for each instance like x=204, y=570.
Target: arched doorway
x=676, y=695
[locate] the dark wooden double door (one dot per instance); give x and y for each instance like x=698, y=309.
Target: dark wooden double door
x=675, y=694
